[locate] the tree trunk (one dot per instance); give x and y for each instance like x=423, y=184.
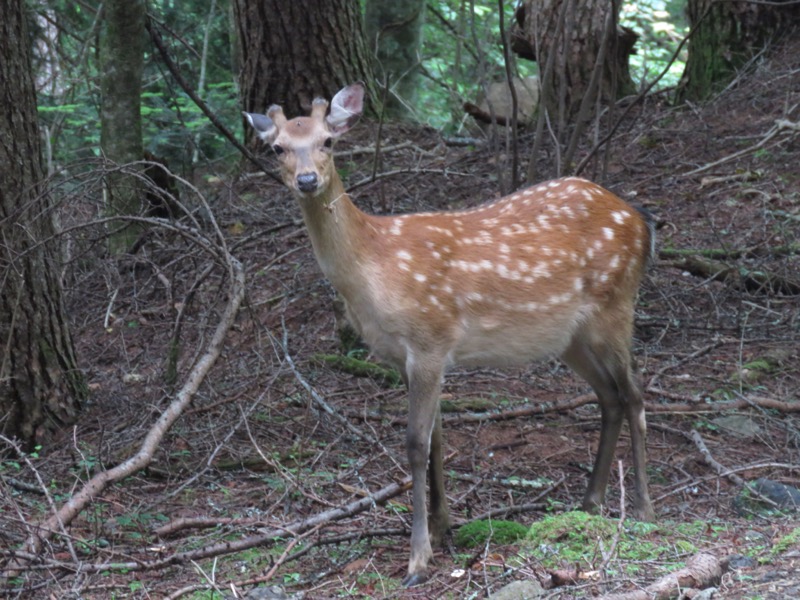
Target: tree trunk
x=394, y=35
x=40, y=384
x=293, y=52
x=575, y=47
x=728, y=34
x=122, y=64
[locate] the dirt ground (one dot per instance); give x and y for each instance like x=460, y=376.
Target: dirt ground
x=255, y=454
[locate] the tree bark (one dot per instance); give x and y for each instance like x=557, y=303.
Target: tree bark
x=122, y=64
x=577, y=46
x=394, y=35
x=293, y=52
x=728, y=34
x=40, y=385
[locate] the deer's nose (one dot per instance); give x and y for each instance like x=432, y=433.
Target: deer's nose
x=307, y=182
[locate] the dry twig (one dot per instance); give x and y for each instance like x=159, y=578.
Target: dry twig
x=93, y=488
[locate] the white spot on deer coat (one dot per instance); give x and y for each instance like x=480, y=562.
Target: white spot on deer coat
x=619, y=216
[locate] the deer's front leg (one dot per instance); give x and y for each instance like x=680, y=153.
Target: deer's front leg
x=424, y=381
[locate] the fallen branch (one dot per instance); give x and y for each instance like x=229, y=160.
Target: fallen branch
x=737, y=177
x=177, y=525
x=307, y=547
x=721, y=470
x=483, y=116
x=701, y=571
x=738, y=276
x=95, y=486
x=265, y=538
x=535, y=505
x=320, y=401
x=683, y=360
x=718, y=468
x=584, y=399
x=760, y=401
x=780, y=126
x=611, y=552
x=534, y=409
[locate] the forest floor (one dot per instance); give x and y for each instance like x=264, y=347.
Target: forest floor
x=717, y=331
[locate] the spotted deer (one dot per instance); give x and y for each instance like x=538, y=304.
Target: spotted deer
x=551, y=270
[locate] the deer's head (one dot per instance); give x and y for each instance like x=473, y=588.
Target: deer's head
x=304, y=144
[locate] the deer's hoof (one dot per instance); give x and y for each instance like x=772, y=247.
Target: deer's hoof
x=413, y=579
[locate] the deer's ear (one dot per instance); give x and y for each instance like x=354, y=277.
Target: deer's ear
x=346, y=107
x=264, y=126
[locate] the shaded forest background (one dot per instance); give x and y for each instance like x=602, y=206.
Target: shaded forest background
x=210, y=320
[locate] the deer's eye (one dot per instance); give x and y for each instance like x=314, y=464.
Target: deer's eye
x=328, y=143
x=278, y=149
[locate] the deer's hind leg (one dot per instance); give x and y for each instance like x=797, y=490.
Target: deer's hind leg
x=604, y=361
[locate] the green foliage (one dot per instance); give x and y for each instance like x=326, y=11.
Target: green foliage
x=172, y=123
x=462, y=49
x=67, y=65
x=661, y=26
x=478, y=533
x=787, y=542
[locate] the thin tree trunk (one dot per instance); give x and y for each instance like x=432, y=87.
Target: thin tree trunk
x=122, y=64
x=394, y=36
x=201, y=83
x=40, y=385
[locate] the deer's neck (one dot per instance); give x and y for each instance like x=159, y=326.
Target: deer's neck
x=337, y=228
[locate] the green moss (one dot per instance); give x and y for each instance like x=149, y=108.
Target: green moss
x=580, y=538
x=360, y=368
x=572, y=529
x=471, y=404
x=477, y=533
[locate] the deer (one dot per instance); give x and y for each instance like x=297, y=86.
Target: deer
x=552, y=270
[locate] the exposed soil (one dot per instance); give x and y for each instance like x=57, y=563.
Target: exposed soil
x=254, y=447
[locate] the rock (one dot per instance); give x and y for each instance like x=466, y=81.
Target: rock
x=499, y=95
x=707, y=594
x=519, y=590
x=272, y=592
x=785, y=496
x=737, y=561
